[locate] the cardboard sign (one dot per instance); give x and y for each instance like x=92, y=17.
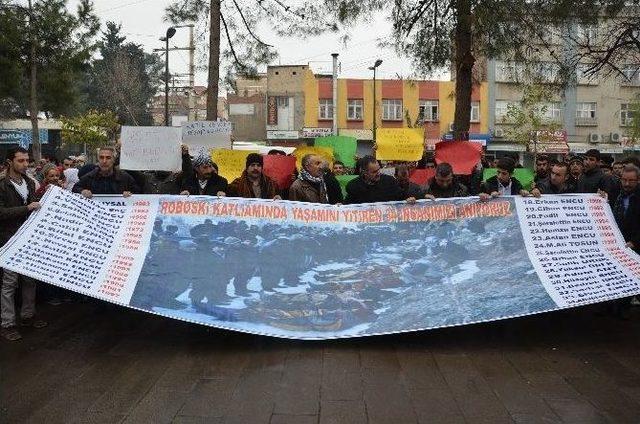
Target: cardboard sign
x=206, y=135
x=280, y=169
x=344, y=148
x=231, y=163
x=524, y=175
x=461, y=155
x=150, y=149
x=405, y=144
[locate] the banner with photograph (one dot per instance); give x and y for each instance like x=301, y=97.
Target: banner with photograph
x=306, y=271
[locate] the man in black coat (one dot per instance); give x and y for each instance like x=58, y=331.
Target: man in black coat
x=594, y=180
x=502, y=184
x=626, y=207
x=105, y=178
x=202, y=177
x=372, y=186
x=557, y=183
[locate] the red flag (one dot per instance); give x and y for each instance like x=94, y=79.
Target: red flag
x=280, y=168
x=421, y=176
x=461, y=155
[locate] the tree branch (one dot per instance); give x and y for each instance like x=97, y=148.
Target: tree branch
x=246, y=24
x=233, y=51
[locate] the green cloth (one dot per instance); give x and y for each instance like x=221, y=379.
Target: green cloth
x=344, y=148
x=524, y=175
x=344, y=180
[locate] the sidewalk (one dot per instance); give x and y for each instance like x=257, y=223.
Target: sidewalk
x=105, y=364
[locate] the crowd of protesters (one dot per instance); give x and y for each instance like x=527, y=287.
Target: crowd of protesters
x=22, y=184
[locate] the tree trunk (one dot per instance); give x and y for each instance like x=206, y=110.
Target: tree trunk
x=464, y=61
x=33, y=91
x=214, y=61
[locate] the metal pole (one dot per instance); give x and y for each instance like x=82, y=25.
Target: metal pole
x=166, y=84
x=374, y=105
x=191, y=75
x=335, y=93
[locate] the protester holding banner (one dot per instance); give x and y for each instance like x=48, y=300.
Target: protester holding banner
x=201, y=176
x=557, y=183
x=17, y=201
x=253, y=183
x=371, y=185
x=444, y=184
x=408, y=188
x=626, y=208
x=105, y=178
x=503, y=183
x=310, y=185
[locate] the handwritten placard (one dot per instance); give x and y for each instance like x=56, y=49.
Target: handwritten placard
x=406, y=144
x=150, y=149
x=206, y=135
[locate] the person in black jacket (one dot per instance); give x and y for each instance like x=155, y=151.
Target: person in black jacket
x=593, y=180
x=626, y=208
x=202, y=177
x=372, y=186
x=105, y=178
x=502, y=184
x=557, y=183
x=444, y=184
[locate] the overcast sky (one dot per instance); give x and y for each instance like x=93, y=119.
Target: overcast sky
x=142, y=22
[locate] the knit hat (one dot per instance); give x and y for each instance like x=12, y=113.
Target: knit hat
x=254, y=158
x=202, y=158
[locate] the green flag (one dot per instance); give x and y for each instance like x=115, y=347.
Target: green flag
x=344, y=148
x=344, y=180
x=524, y=175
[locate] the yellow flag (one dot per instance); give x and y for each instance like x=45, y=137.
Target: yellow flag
x=325, y=152
x=406, y=144
x=230, y=163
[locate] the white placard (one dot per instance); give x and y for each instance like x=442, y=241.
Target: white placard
x=206, y=135
x=150, y=149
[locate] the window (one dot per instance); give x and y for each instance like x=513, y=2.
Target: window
x=586, y=110
x=325, y=109
x=475, y=111
x=428, y=111
x=627, y=114
x=632, y=74
x=502, y=107
x=553, y=111
x=283, y=101
x=392, y=110
x=354, y=109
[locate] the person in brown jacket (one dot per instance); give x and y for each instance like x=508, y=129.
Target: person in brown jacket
x=310, y=186
x=253, y=183
x=17, y=201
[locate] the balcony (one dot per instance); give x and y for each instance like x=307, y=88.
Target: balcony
x=586, y=122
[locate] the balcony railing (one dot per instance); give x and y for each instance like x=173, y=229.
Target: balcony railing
x=586, y=122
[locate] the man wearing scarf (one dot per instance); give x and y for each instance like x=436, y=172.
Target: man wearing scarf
x=203, y=177
x=310, y=186
x=253, y=183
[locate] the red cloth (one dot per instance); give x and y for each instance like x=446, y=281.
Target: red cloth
x=280, y=168
x=421, y=176
x=461, y=155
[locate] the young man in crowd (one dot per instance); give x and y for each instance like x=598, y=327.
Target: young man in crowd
x=17, y=201
x=542, y=168
x=372, y=185
x=253, y=183
x=557, y=183
x=200, y=177
x=576, y=167
x=444, y=184
x=105, y=178
x=310, y=185
x=503, y=183
x=338, y=168
x=593, y=180
x=408, y=187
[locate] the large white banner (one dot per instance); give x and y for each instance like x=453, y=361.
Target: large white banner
x=308, y=271
x=150, y=149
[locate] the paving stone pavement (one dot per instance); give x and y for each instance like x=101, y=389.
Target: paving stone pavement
x=98, y=363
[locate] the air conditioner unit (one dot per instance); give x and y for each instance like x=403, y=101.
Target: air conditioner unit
x=451, y=126
x=595, y=138
x=615, y=137
x=498, y=132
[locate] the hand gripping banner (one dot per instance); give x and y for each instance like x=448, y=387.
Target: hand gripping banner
x=305, y=271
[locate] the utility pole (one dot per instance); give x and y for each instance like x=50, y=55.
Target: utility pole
x=36, y=149
x=192, y=72
x=335, y=93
